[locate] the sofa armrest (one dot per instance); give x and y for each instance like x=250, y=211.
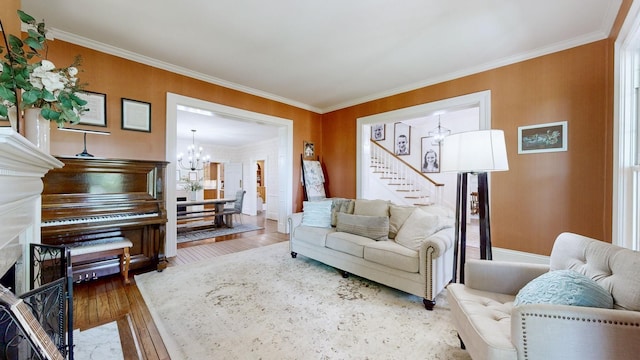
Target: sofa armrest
x=544, y=331
x=501, y=277
x=294, y=220
x=441, y=241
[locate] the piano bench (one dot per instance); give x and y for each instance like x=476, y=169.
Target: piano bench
x=91, y=250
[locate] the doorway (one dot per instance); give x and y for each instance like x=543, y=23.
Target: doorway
x=480, y=100
x=284, y=196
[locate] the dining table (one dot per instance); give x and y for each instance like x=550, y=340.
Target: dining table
x=186, y=210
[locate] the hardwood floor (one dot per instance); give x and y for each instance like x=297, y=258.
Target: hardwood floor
x=107, y=299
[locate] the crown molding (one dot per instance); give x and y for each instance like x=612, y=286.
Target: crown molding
x=129, y=55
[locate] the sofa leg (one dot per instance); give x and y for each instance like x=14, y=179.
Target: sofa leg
x=461, y=343
x=294, y=254
x=344, y=274
x=428, y=304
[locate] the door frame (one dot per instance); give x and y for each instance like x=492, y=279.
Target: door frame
x=285, y=155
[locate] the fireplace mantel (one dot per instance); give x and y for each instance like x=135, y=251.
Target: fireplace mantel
x=22, y=166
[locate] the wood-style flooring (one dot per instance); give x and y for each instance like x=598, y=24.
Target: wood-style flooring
x=107, y=299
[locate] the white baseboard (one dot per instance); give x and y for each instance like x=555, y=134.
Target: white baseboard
x=518, y=256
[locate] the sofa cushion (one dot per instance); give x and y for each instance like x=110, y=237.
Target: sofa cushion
x=415, y=230
x=340, y=205
x=392, y=255
x=483, y=319
x=317, y=213
x=347, y=243
x=440, y=210
x=373, y=227
x=564, y=287
x=397, y=216
x=371, y=207
x=312, y=235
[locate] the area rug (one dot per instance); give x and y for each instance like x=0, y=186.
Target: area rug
x=98, y=343
x=211, y=233
x=263, y=304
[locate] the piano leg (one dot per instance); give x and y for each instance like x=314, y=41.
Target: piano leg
x=124, y=265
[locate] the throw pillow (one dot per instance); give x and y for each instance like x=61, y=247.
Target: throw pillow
x=371, y=207
x=316, y=213
x=340, y=205
x=564, y=287
x=372, y=227
x=416, y=229
x=397, y=216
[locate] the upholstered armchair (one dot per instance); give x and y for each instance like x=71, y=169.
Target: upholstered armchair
x=497, y=316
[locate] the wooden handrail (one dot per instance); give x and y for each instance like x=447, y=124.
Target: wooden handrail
x=407, y=164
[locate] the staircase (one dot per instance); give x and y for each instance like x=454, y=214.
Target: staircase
x=410, y=186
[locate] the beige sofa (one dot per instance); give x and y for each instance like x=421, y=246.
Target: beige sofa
x=498, y=316
x=404, y=247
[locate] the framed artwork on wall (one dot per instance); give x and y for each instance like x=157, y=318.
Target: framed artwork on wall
x=402, y=136
x=136, y=115
x=549, y=137
x=430, y=159
x=378, y=132
x=309, y=151
x=96, y=113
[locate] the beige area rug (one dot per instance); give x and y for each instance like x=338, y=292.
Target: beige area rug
x=98, y=343
x=263, y=304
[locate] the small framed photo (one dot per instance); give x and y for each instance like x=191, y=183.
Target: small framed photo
x=309, y=151
x=549, y=137
x=378, y=132
x=193, y=176
x=96, y=113
x=402, y=134
x=136, y=115
x=430, y=160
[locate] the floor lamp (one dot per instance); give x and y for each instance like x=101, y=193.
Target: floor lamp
x=472, y=152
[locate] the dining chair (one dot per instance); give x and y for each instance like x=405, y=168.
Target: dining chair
x=236, y=210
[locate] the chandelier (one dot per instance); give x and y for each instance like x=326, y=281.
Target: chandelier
x=438, y=134
x=194, y=160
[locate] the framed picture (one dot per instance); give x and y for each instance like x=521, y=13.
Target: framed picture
x=96, y=113
x=136, y=115
x=430, y=159
x=193, y=176
x=402, y=134
x=540, y=138
x=378, y=132
x=309, y=151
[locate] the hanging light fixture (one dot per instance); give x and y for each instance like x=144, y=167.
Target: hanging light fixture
x=195, y=160
x=438, y=134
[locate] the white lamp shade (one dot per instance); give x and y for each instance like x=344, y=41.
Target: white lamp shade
x=474, y=151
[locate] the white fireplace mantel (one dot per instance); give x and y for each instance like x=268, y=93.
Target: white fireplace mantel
x=22, y=166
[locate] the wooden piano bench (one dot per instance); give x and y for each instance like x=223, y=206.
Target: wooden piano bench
x=92, y=250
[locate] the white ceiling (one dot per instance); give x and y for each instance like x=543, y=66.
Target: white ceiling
x=326, y=55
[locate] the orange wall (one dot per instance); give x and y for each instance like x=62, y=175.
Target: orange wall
x=120, y=78
x=542, y=194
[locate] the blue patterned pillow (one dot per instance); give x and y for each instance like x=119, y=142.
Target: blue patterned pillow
x=317, y=213
x=564, y=287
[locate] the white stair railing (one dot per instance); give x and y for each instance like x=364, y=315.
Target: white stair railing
x=412, y=185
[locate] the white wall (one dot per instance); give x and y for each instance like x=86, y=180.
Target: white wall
x=248, y=156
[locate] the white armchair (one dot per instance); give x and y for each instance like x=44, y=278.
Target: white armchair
x=491, y=327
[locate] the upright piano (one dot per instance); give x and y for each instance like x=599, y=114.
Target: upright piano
x=92, y=199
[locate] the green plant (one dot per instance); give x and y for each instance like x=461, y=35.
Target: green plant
x=42, y=85
x=191, y=185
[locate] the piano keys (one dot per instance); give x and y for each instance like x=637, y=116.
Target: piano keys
x=93, y=199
